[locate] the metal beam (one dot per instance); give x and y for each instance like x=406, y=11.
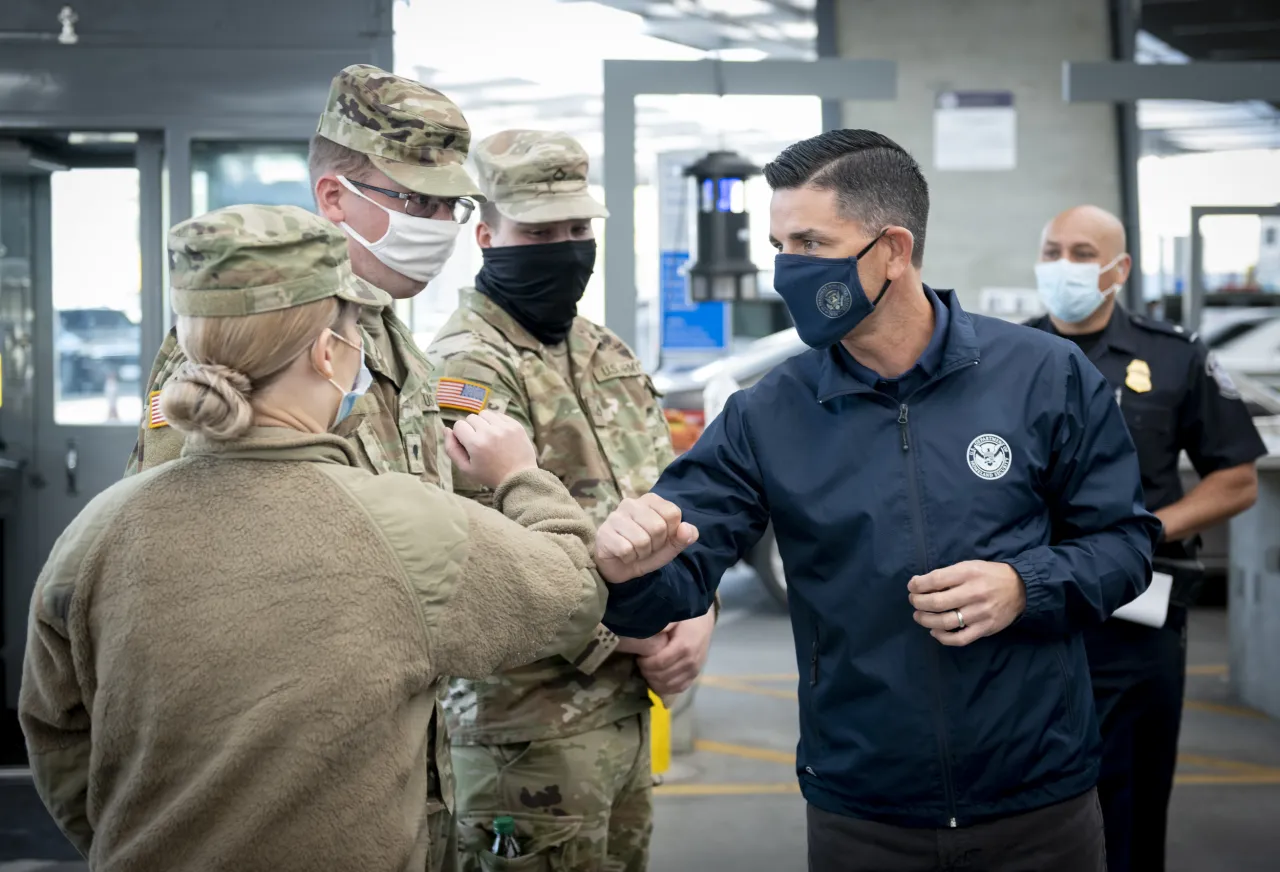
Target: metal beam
x=827, y=78
x=1193, y=305
x=828, y=45
x=1124, y=42
x=1123, y=82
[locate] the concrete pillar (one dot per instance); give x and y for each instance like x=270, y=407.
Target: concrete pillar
x=984, y=227
x=1253, y=604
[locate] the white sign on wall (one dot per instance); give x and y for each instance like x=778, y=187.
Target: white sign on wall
x=975, y=130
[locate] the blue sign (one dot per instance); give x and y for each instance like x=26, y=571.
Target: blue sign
x=688, y=326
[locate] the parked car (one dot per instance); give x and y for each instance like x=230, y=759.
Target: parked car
x=1246, y=341
x=95, y=345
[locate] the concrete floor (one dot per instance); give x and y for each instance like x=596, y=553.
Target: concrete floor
x=733, y=803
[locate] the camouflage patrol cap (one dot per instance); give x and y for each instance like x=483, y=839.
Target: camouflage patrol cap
x=413, y=133
x=536, y=176
x=243, y=260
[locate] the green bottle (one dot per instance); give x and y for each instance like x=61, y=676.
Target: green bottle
x=504, y=839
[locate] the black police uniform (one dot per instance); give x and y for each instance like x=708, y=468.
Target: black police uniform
x=1175, y=397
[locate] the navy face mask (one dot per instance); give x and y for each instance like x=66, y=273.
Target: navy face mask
x=824, y=294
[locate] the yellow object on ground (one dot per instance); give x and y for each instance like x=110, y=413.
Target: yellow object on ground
x=660, y=732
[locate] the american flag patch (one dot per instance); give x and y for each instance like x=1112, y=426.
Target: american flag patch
x=155, y=417
x=454, y=393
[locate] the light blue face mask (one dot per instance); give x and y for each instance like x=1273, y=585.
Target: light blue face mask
x=1070, y=290
x=364, y=379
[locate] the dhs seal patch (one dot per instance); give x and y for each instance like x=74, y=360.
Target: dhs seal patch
x=834, y=299
x=989, y=456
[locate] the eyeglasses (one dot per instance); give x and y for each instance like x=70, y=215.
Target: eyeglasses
x=458, y=209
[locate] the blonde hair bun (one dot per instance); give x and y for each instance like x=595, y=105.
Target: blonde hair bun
x=208, y=399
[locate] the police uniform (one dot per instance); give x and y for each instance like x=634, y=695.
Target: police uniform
x=419, y=137
x=561, y=745
x=1175, y=397
x=233, y=657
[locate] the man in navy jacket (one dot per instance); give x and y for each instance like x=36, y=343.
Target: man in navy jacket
x=955, y=499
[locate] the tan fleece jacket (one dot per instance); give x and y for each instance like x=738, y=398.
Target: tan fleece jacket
x=232, y=658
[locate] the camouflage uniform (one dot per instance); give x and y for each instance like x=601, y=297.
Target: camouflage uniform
x=419, y=138
x=561, y=745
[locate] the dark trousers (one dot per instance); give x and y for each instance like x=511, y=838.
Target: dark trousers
x=1066, y=837
x=1139, y=674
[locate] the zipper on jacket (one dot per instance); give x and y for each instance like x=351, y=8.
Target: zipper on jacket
x=922, y=555
x=813, y=684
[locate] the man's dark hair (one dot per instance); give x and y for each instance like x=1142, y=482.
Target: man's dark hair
x=875, y=181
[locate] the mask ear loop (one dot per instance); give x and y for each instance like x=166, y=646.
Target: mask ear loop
x=347, y=342
x=857, y=257
x=1114, y=263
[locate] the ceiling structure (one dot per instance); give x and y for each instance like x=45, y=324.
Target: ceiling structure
x=514, y=78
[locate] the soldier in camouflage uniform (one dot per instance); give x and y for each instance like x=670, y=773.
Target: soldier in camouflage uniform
x=561, y=745
x=387, y=167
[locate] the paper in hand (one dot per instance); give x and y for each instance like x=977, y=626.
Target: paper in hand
x=1152, y=607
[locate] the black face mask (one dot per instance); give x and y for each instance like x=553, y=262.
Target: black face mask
x=539, y=285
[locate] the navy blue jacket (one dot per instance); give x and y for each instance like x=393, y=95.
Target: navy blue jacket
x=1011, y=450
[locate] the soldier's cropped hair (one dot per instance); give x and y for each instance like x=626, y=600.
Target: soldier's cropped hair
x=489, y=214
x=876, y=182
x=326, y=156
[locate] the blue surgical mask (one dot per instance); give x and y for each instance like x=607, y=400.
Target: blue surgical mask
x=824, y=294
x=1070, y=290
x=364, y=378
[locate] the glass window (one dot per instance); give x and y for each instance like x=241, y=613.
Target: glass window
x=97, y=274
x=229, y=173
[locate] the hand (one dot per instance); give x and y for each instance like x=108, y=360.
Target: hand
x=674, y=669
x=640, y=536
x=644, y=647
x=490, y=447
x=990, y=596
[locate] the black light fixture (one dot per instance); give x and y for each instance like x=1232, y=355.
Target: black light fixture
x=723, y=269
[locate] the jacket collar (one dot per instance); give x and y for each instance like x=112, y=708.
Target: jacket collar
x=275, y=444
x=376, y=326
x=961, y=340
x=497, y=317
x=1117, y=335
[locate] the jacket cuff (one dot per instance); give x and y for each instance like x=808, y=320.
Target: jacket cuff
x=1039, y=597
x=624, y=601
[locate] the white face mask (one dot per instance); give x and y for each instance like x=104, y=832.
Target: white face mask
x=1070, y=290
x=417, y=248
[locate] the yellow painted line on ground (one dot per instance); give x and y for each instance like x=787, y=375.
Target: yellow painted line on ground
x=1220, y=708
x=1238, y=766
x=722, y=683
x=1226, y=779
x=777, y=676
x=725, y=789
x=1211, y=669
x=748, y=752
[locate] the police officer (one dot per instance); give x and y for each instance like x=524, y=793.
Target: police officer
x=387, y=167
x=210, y=682
x=561, y=745
x=1175, y=397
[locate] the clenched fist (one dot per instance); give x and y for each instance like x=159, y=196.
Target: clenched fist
x=640, y=536
x=490, y=447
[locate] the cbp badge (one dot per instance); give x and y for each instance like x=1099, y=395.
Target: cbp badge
x=989, y=456
x=1137, y=376
x=1221, y=377
x=834, y=299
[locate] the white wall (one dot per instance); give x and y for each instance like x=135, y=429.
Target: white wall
x=984, y=227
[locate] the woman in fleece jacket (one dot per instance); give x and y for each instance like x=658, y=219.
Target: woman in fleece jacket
x=232, y=658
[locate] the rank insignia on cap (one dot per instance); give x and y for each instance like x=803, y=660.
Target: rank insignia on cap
x=1137, y=376
x=155, y=417
x=456, y=393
